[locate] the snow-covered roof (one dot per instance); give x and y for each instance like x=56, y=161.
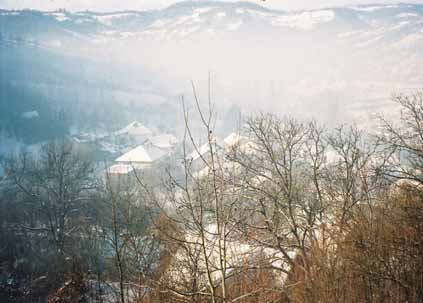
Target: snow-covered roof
x=155, y=152
x=249, y=147
x=135, y=128
x=225, y=168
x=237, y=252
x=137, y=155
x=120, y=169
x=200, y=151
x=163, y=141
x=234, y=139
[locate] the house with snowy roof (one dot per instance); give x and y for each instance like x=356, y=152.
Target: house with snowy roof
x=137, y=157
x=238, y=253
x=234, y=139
x=160, y=146
x=135, y=133
x=237, y=142
x=143, y=156
x=163, y=141
x=201, y=154
x=136, y=161
x=234, y=142
x=121, y=174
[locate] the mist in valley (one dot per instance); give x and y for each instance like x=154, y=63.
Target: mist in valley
x=335, y=65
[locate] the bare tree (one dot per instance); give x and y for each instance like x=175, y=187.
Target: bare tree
x=402, y=142
x=55, y=189
x=52, y=191
x=205, y=206
x=125, y=226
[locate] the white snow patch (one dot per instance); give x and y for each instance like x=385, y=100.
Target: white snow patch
x=368, y=42
x=162, y=141
x=409, y=41
x=159, y=23
x=407, y=15
x=201, y=151
x=108, y=19
x=187, y=31
x=234, y=139
x=370, y=9
x=305, y=20
x=121, y=169
x=109, y=33
x=199, y=11
x=400, y=25
x=109, y=147
x=9, y=14
x=350, y=34
x=61, y=17
x=55, y=44
x=83, y=20
x=30, y=115
x=262, y=14
x=127, y=34
x=134, y=129
x=234, y=26
x=182, y=20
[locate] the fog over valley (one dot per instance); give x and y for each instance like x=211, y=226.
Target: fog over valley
x=340, y=63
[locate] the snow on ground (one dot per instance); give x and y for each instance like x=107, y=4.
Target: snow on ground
x=61, y=17
x=134, y=129
x=409, y=41
x=304, y=20
x=234, y=26
x=221, y=15
x=109, y=18
x=163, y=141
x=9, y=14
x=200, y=151
x=407, y=15
x=30, y=114
x=121, y=169
x=370, y=9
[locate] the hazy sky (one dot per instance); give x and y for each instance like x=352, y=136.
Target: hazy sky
x=113, y=5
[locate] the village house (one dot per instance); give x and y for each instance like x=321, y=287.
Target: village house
x=136, y=162
x=160, y=146
x=135, y=133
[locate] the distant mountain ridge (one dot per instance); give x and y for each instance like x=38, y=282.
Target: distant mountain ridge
x=187, y=18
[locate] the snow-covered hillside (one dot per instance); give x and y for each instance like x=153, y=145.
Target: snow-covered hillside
x=367, y=24
x=327, y=62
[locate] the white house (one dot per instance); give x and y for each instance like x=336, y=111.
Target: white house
x=121, y=174
x=137, y=157
x=201, y=154
x=163, y=141
x=233, y=143
x=136, y=162
x=237, y=253
x=160, y=146
x=234, y=139
x=135, y=132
